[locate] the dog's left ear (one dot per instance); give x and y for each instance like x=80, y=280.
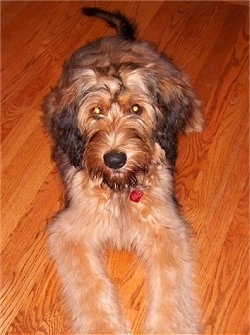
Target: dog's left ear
x=180, y=113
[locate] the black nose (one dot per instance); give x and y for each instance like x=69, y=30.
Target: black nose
x=114, y=159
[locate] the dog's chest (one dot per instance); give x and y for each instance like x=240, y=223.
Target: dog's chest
x=123, y=206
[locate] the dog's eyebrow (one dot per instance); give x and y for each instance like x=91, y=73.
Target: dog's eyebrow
x=98, y=92
x=113, y=86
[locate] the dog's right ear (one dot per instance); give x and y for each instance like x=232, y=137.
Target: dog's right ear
x=62, y=124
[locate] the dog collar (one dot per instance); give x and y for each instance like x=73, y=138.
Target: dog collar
x=135, y=195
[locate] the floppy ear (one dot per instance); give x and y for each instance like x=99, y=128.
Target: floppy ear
x=64, y=130
x=180, y=113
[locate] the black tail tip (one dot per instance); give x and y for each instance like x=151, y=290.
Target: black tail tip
x=124, y=27
x=89, y=11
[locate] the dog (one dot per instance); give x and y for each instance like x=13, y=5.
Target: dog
x=114, y=117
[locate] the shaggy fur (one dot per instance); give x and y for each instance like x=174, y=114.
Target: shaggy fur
x=114, y=116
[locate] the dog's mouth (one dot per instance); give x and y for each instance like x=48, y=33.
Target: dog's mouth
x=118, y=179
x=118, y=185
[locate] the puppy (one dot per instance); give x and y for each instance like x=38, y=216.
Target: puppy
x=114, y=116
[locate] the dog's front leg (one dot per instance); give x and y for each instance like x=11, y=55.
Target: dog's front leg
x=90, y=296
x=172, y=306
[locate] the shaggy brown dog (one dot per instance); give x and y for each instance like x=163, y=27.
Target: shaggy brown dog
x=115, y=115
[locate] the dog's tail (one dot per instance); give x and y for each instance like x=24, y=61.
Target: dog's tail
x=124, y=27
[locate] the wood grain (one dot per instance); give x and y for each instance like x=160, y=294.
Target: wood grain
x=210, y=41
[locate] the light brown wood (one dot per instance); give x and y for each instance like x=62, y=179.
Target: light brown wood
x=207, y=39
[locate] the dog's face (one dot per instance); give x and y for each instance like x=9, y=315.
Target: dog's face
x=117, y=117
x=109, y=119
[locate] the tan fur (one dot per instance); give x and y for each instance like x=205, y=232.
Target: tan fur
x=98, y=218
x=93, y=102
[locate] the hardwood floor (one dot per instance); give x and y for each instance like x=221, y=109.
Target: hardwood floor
x=210, y=40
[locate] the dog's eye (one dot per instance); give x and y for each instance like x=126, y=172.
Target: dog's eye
x=136, y=109
x=97, y=113
x=96, y=110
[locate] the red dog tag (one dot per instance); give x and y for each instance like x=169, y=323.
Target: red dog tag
x=135, y=195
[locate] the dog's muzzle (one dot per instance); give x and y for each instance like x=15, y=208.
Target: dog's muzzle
x=114, y=159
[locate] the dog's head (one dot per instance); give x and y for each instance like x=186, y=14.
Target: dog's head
x=114, y=105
